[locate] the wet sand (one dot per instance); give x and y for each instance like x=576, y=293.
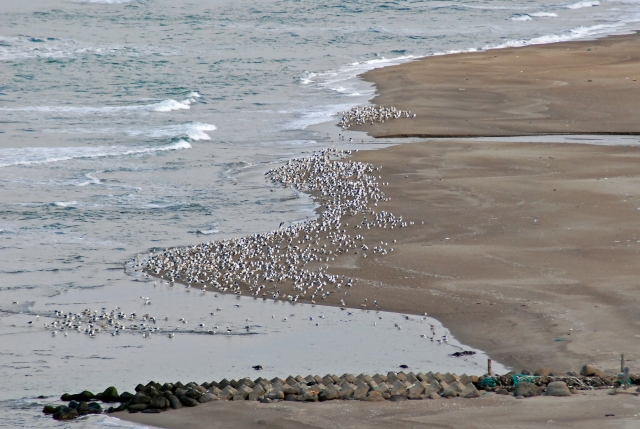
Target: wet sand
x=574, y=87
x=528, y=250
x=585, y=410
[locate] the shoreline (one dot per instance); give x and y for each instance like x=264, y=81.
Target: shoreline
x=471, y=330
x=574, y=87
x=527, y=252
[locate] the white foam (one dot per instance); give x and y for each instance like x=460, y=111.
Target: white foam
x=114, y=422
x=41, y=155
x=523, y=17
x=571, y=34
x=66, y=203
x=544, y=14
x=194, y=130
x=106, y=1
x=25, y=48
x=208, y=231
x=583, y=4
x=167, y=105
x=337, y=80
x=92, y=179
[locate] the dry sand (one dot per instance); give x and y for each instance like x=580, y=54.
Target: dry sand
x=527, y=251
x=584, y=411
x=574, y=87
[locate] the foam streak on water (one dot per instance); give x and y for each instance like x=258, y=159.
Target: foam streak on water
x=130, y=124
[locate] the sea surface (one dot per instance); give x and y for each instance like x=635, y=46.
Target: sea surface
x=127, y=125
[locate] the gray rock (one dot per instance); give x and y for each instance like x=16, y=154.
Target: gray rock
x=527, y=390
x=256, y=393
x=543, y=372
x=470, y=391
x=558, y=388
x=398, y=389
x=330, y=392
x=415, y=391
x=228, y=392
x=398, y=398
x=290, y=390
x=110, y=394
x=159, y=402
x=591, y=371
x=51, y=409
x=434, y=395
x=450, y=378
x=125, y=397
x=464, y=379
x=382, y=388
x=502, y=391
x=174, y=402
x=194, y=393
x=151, y=411
x=308, y=396
x=137, y=407
x=374, y=397
x=346, y=392
x=188, y=402
x=449, y=392
x=244, y=391
x=361, y=392
x=140, y=398
x=207, y=397
x=66, y=413
x=83, y=407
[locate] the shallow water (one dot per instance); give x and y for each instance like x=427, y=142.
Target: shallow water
x=132, y=124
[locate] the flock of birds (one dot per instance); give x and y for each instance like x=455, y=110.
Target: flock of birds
x=263, y=265
x=92, y=322
x=370, y=114
x=272, y=265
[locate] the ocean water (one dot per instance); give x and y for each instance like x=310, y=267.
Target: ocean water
x=127, y=125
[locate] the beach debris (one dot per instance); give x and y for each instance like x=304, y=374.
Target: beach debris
x=463, y=353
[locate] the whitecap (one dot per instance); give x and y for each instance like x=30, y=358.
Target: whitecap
x=523, y=17
x=92, y=179
x=571, y=34
x=66, y=203
x=192, y=130
x=167, y=105
x=41, y=155
x=207, y=231
x=106, y=1
x=544, y=14
x=583, y=4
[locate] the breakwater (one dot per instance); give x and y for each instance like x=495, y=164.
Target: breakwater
x=157, y=397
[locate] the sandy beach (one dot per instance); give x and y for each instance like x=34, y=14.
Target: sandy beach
x=587, y=410
x=580, y=87
x=527, y=251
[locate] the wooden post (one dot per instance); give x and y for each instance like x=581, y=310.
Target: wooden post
x=489, y=370
x=625, y=378
x=622, y=363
